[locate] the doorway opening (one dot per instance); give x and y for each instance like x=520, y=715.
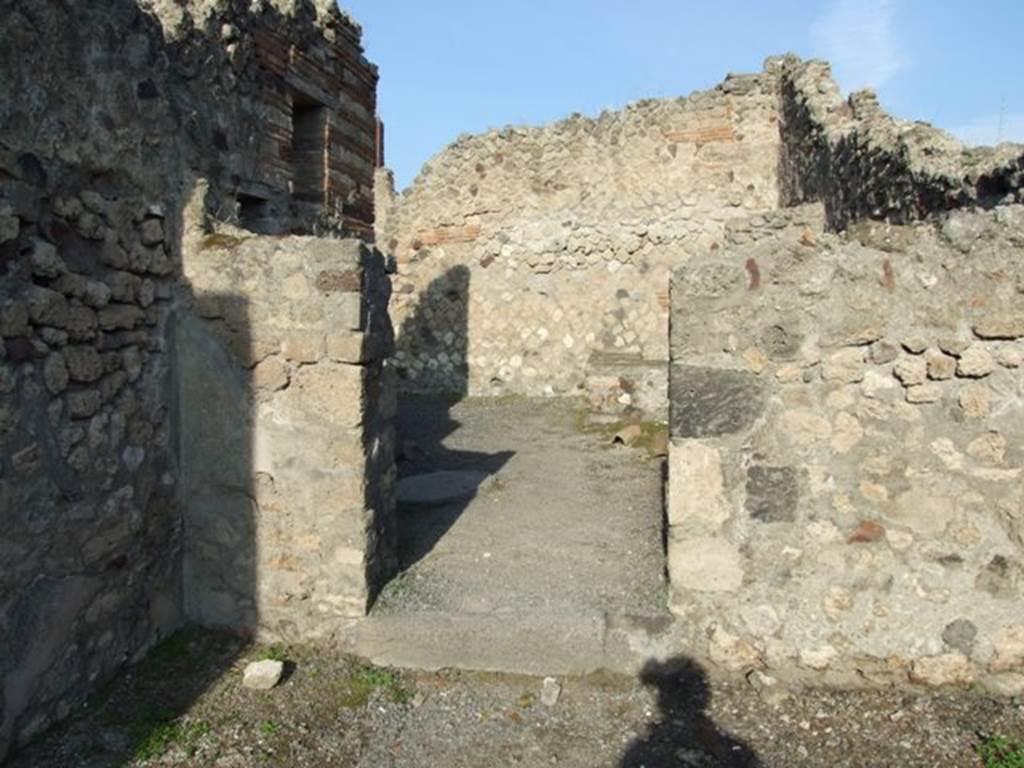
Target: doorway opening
x=527, y=536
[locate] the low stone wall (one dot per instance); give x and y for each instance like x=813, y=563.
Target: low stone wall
x=845, y=487
x=285, y=408
x=523, y=252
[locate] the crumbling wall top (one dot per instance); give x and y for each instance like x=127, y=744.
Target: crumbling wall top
x=178, y=17
x=866, y=163
x=612, y=128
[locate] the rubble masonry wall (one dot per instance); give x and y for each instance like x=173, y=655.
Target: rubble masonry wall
x=132, y=133
x=845, y=500
x=523, y=252
x=845, y=491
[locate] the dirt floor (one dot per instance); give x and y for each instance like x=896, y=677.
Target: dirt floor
x=184, y=706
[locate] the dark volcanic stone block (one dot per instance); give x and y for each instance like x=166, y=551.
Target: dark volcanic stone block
x=773, y=493
x=781, y=341
x=708, y=402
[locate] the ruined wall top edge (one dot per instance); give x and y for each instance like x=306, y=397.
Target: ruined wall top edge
x=928, y=152
x=860, y=121
x=603, y=126
x=179, y=16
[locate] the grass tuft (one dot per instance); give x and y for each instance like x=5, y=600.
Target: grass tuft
x=376, y=677
x=269, y=728
x=399, y=694
x=1000, y=752
x=157, y=730
x=273, y=653
x=365, y=679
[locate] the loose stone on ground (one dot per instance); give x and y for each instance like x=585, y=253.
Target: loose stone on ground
x=263, y=675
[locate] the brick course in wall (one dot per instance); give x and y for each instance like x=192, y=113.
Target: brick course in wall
x=344, y=84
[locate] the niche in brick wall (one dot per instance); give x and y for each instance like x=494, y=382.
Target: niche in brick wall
x=309, y=149
x=253, y=212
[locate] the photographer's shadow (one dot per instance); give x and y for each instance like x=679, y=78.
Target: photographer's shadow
x=684, y=734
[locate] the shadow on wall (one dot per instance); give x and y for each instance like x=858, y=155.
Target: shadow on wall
x=215, y=402
x=684, y=733
x=432, y=346
x=116, y=586
x=92, y=544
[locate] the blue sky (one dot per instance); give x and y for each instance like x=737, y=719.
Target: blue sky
x=463, y=66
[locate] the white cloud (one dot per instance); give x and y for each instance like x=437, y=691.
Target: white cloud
x=858, y=37
x=991, y=129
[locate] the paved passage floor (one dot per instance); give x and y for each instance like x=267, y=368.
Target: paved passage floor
x=517, y=526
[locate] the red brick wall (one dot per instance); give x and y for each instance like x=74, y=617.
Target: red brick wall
x=336, y=75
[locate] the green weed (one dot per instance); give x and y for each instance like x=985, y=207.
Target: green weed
x=364, y=680
x=1000, y=752
x=376, y=677
x=273, y=653
x=400, y=694
x=269, y=727
x=156, y=731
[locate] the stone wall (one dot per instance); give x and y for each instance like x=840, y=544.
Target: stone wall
x=536, y=260
x=523, y=252
x=863, y=163
x=845, y=487
x=126, y=112
x=297, y=135
x=91, y=538
x=285, y=415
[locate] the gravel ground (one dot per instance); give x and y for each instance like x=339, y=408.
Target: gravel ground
x=184, y=706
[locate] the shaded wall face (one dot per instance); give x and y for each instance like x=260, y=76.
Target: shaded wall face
x=567, y=235
x=99, y=148
x=91, y=538
x=845, y=470
x=88, y=251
